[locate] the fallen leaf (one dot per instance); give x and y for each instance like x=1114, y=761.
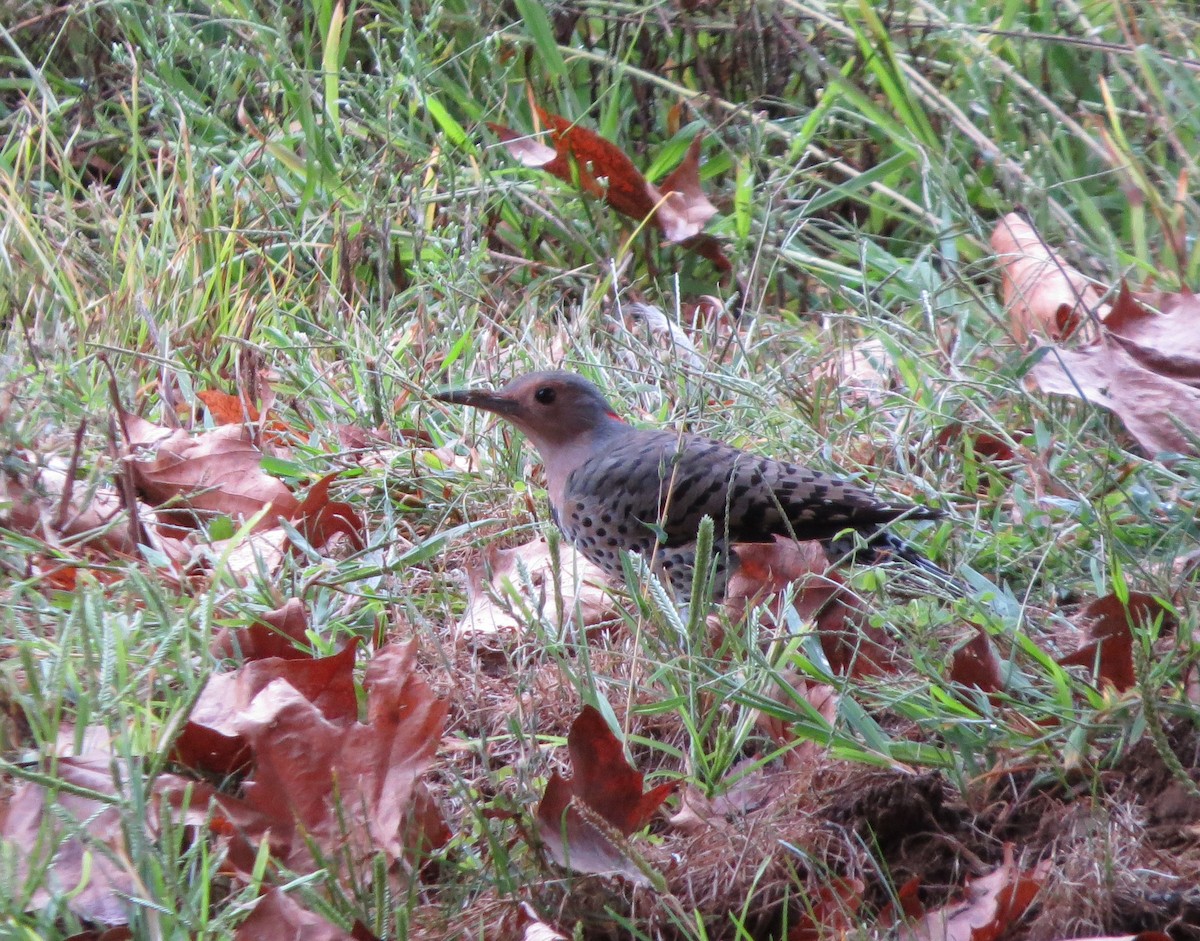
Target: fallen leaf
x=92, y=881
x=821, y=597
x=830, y=911
x=677, y=207
x=991, y=907
x=604, y=783
x=683, y=208
x=77, y=844
x=218, y=472
x=38, y=506
x=280, y=633
x=501, y=603
x=1160, y=330
x=863, y=371
x=1108, y=646
x=532, y=928
x=322, y=782
x=227, y=409
x=319, y=519
x=276, y=915
x=747, y=793
x=212, y=738
x=1151, y=406
x=820, y=696
x=1041, y=292
x=672, y=336
x=976, y=663
x=1142, y=936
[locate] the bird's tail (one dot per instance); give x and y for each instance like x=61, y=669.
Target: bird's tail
x=883, y=545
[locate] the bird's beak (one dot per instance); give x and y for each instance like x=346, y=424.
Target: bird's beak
x=478, y=398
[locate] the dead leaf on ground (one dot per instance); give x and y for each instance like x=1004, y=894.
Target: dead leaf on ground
x=677, y=207
x=1042, y=293
x=212, y=739
x=527, y=926
x=992, y=905
x=94, y=884
x=604, y=783
x=1161, y=330
x=39, y=506
x=1144, y=362
x=863, y=371
x=831, y=911
x=280, y=633
x=1152, y=406
x=1108, y=646
x=765, y=569
x=321, y=780
x=198, y=477
x=502, y=603
x=977, y=664
x=276, y=915
x=821, y=697
x=77, y=843
x=745, y=794
x=1142, y=936
x=319, y=518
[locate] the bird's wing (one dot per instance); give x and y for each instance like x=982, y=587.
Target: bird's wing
x=668, y=482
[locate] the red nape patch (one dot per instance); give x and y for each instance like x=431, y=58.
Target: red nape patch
x=615, y=415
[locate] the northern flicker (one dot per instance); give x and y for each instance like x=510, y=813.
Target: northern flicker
x=614, y=487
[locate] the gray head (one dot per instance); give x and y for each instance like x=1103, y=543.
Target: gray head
x=554, y=409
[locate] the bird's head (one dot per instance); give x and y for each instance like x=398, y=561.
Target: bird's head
x=553, y=409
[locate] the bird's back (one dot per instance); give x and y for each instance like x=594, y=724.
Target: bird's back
x=655, y=486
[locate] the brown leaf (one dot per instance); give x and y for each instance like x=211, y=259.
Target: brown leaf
x=683, y=208
x=323, y=779
x=747, y=793
x=67, y=857
x=1160, y=330
x=605, y=783
x=77, y=844
x=830, y=912
x=837, y=615
x=1042, y=293
x=603, y=168
x=36, y=508
x=276, y=915
x=1108, y=647
x=977, y=664
x=280, y=633
x=227, y=409
x=993, y=904
x=319, y=519
x=863, y=371
x=677, y=207
x=1105, y=374
x=822, y=697
x=212, y=738
x=531, y=927
x=216, y=472
x=495, y=575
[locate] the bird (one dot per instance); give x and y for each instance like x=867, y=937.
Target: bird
x=616, y=488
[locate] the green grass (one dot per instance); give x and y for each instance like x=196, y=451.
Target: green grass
x=190, y=193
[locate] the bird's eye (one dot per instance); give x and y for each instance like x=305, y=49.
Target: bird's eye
x=545, y=395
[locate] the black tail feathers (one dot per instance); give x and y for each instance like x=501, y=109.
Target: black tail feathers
x=881, y=546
